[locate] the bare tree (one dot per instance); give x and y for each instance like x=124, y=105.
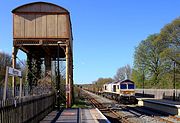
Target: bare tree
x=123, y=73
x=120, y=74
x=5, y=60
x=128, y=71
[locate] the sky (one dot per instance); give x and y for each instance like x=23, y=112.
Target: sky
x=105, y=32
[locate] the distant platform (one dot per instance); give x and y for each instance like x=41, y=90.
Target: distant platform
x=165, y=106
x=76, y=116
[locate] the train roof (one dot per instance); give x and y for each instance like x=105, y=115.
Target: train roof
x=108, y=83
x=127, y=81
x=120, y=82
x=114, y=82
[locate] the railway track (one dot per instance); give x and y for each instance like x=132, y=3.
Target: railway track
x=130, y=113
x=106, y=110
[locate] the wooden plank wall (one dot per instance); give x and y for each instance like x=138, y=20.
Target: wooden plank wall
x=41, y=26
x=28, y=109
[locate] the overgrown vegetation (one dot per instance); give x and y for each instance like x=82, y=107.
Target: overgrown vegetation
x=79, y=100
x=5, y=60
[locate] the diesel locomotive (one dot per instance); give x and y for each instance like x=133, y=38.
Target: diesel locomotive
x=121, y=91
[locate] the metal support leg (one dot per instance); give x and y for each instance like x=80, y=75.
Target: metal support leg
x=29, y=76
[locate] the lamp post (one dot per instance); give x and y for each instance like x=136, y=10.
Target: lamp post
x=143, y=83
x=58, y=78
x=174, y=81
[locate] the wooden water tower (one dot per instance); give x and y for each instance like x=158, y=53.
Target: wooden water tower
x=43, y=31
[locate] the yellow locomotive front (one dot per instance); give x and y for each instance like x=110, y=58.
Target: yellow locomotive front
x=127, y=91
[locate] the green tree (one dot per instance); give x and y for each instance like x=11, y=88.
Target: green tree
x=147, y=59
x=170, y=35
x=136, y=77
x=100, y=82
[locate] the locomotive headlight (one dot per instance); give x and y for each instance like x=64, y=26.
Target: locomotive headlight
x=132, y=93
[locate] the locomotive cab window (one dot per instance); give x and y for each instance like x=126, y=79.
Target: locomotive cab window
x=130, y=86
x=123, y=86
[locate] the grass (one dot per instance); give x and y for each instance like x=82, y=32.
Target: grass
x=80, y=103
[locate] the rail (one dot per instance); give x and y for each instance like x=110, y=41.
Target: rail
x=27, y=109
x=104, y=109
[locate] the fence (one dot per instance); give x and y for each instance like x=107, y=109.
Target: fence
x=25, y=92
x=27, y=109
x=159, y=93
x=38, y=90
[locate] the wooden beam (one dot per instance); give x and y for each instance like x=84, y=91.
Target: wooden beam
x=5, y=84
x=14, y=53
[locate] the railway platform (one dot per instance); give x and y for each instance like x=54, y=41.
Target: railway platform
x=165, y=106
x=78, y=115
